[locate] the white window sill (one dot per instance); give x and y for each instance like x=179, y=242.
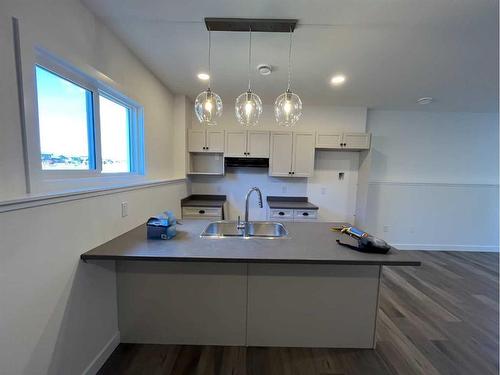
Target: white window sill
x=34, y=200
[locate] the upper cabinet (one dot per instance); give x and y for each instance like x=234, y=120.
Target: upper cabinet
x=201, y=140
x=292, y=154
x=251, y=143
x=343, y=141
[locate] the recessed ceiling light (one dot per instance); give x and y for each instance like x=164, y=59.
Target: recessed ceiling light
x=338, y=79
x=425, y=100
x=203, y=76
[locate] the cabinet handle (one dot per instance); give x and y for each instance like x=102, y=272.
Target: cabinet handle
x=281, y=213
x=305, y=213
x=289, y=172
x=293, y=172
x=201, y=212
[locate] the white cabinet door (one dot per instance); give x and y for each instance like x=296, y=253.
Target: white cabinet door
x=356, y=141
x=303, y=154
x=236, y=143
x=215, y=141
x=196, y=140
x=329, y=140
x=280, y=162
x=258, y=144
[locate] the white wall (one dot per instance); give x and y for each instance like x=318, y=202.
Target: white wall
x=336, y=198
x=433, y=180
x=57, y=313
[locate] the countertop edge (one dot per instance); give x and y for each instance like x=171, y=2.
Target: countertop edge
x=86, y=257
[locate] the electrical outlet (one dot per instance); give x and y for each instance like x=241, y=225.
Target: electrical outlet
x=124, y=209
x=386, y=228
x=323, y=190
x=284, y=189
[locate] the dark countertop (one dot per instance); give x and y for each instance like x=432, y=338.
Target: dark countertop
x=292, y=203
x=202, y=200
x=307, y=243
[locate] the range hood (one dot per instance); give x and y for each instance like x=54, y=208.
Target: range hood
x=247, y=162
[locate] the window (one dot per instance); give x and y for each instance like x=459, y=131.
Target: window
x=65, y=121
x=115, y=136
x=85, y=128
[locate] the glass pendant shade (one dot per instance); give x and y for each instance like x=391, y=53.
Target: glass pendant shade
x=248, y=108
x=287, y=109
x=208, y=107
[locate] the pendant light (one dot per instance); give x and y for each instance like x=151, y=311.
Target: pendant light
x=208, y=105
x=248, y=106
x=288, y=106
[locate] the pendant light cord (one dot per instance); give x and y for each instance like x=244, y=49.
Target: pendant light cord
x=290, y=61
x=249, y=57
x=209, y=58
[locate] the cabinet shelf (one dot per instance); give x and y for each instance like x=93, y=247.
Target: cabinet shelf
x=206, y=163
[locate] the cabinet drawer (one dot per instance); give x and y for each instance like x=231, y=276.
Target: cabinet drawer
x=201, y=212
x=283, y=214
x=305, y=214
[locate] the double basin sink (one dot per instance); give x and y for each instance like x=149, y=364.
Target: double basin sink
x=254, y=229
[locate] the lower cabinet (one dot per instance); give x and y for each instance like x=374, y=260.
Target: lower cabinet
x=214, y=213
x=292, y=215
x=203, y=303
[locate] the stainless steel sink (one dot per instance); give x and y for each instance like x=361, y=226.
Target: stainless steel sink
x=254, y=229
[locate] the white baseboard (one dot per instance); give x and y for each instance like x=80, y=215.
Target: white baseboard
x=435, y=247
x=103, y=355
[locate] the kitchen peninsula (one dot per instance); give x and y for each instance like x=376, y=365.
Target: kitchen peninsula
x=302, y=290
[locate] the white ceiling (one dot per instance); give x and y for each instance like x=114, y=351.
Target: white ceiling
x=392, y=51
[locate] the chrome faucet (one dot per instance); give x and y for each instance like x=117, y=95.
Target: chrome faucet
x=243, y=225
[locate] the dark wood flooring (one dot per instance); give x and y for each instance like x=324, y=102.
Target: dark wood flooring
x=441, y=318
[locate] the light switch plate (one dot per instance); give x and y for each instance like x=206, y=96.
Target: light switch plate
x=124, y=209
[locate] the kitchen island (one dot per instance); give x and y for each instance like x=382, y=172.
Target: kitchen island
x=303, y=290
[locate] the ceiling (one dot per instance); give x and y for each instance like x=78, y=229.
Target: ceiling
x=392, y=51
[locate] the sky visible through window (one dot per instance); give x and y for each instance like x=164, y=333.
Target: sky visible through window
x=62, y=116
x=64, y=112
x=114, y=136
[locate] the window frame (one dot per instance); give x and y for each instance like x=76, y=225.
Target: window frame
x=50, y=180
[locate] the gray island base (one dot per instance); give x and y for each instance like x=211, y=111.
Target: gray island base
x=303, y=291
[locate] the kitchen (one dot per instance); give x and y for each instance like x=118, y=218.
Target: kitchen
x=396, y=134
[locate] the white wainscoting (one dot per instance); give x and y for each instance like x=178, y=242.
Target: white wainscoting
x=434, y=215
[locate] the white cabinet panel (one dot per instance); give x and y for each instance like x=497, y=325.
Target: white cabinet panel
x=258, y=144
x=281, y=214
x=215, y=140
x=329, y=140
x=196, y=140
x=356, y=141
x=280, y=163
x=303, y=155
x=343, y=141
x=182, y=302
x=236, y=143
x=301, y=305
x=305, y=215
x=201, y=212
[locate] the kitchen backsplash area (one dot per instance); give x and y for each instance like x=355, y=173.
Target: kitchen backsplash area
x=335, y=196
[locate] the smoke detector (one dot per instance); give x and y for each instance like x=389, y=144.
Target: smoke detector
x=426, y=100
x=264, y=69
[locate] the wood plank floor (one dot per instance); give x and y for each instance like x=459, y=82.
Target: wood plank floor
x=441, y=318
